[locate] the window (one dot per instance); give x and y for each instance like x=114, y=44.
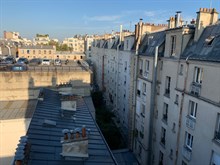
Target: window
x=163, y=136
x=165, y=112
x=141, y=67
x=160, y=158
x=33, y=51
x=198, y=75
x=143, y=110
x=189, y=141
x=171, y=154
x=173, y=45
x=177, y=99
x=127, y=44
x=49, y=51
x=28, y=51
x=146, y=68
x=209, y=40
x=192, y=109
x=144, y=88
x=217, y=131
x=125, y=65
x=140, y=151
x=45, y=52
x=181, y=69
x=174, y=128
x=39, y=51
x=167, y=88
x=161, y=65
x=142, y=132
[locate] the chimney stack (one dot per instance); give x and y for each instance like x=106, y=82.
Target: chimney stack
x=177, y=19
x=205, y=17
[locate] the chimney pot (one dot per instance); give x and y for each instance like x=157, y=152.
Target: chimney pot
x=83, y=131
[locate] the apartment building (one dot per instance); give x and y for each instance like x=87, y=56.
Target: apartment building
x=76, y=43
x=41, y=39
x=88, y=46
x=178, y=120
x=37, y=51
x=114, y=60
x=11, y=35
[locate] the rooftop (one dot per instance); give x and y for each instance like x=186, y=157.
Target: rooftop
x=45, y=140
x=207, y=48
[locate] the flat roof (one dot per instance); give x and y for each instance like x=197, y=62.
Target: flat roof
x=45, y=141
x=17, y=109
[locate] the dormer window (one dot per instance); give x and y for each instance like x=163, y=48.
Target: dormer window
x=209, y=40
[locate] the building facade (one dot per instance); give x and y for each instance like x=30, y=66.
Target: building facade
x=174, y=77
x=76, y=43
x=37, y=51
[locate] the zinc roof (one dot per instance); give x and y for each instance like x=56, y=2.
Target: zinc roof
x=45, y=141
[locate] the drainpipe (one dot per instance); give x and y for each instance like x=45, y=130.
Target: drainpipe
x=181, y=108
x=152, y=106
x=117, y=67
x=135, y=77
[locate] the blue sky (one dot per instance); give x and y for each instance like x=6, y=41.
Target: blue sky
x=65, y=18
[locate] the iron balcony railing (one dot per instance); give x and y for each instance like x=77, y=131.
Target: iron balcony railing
x=195, y=88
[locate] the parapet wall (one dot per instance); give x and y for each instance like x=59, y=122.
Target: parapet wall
x=25, y=85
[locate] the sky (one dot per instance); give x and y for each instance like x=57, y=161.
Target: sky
x=65, y=18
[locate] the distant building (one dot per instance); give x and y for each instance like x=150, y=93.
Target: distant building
x=37, y=51
x=77, y=44
x=88, y=46
x=42, y=39
x=11, y=35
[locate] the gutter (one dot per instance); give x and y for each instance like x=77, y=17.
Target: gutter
x=152, y=107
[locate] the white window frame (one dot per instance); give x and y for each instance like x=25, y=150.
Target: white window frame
x=193, y=109
x=143, y=109
x=189, y=140
x=146, y=68
x=198, y=75
x=144, y=88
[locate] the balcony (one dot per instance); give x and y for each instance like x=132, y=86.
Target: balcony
x=190, y=122
x=146, y=74
x=165, y=118
x=217, y=136
x=141, y=135
x=195, y=88
x=187, y=153
x=163, y=141
x=167, y=92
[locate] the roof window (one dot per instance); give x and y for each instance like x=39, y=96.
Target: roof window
x=209, y=40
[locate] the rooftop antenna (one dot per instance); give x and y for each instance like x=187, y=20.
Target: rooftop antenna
x=210, y=5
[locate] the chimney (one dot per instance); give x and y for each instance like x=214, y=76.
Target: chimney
x=193, y=22
x=172, y=22
x=77, y=144
x=177, y=19
x=205, y=17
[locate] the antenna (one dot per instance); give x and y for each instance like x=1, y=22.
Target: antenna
x=210, y=5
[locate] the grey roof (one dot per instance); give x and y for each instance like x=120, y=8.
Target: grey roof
x=150, y=41
x=45, y=141
x=203, y=49
x=17, y=109
x=37, y=47
x=125, y=157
